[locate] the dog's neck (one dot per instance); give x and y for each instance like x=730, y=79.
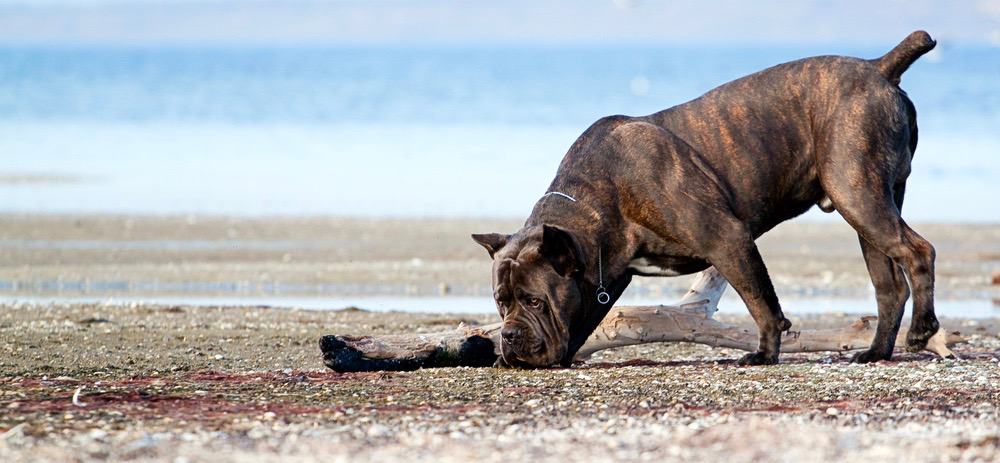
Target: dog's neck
x=597, y=228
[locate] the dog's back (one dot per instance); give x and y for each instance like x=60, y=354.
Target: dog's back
x=769, y=131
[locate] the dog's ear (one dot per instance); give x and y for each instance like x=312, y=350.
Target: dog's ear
x=491, y=241
x=561, y=249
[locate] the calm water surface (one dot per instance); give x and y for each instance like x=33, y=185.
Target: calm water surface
x=375, y=132
x=966, y=308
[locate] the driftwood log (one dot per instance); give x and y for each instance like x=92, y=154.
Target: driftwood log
x=689, y=320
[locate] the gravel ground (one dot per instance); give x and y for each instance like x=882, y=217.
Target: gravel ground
x=176, y=383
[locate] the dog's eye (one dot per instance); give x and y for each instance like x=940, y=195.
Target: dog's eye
x=534, y=303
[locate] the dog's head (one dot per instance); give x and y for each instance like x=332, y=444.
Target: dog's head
x=547, y=305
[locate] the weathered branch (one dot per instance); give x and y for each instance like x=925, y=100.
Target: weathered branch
x=690, y=320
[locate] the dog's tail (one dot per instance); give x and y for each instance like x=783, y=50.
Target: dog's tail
x=899, y=59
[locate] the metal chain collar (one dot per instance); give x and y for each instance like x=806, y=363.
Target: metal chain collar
x=602, y=293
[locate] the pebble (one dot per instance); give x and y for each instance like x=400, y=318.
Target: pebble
x=378, y=430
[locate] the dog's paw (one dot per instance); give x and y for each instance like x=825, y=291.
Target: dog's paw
x=758, y=358
x=920, y=333
x=870, y=356
x=501, y=363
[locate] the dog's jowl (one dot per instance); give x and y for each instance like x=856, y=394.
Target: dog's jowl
x=694, y=185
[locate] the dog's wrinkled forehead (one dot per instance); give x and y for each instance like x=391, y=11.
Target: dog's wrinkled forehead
x=517, y=265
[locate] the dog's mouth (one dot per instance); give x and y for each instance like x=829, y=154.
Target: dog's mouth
x=532, y=354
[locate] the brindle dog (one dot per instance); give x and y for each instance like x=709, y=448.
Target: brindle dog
x=694, y=185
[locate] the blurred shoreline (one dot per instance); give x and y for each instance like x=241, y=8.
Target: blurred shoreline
x=426, y=264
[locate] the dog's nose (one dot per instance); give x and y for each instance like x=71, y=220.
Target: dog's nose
x=511, y=334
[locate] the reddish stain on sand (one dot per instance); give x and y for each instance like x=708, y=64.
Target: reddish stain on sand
x=142, y=404
x=203, y=395
x=320, y=377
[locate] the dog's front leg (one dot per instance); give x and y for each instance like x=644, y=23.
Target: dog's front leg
x=735, y=255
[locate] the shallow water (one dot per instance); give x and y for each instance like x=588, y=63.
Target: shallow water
x=966, y=308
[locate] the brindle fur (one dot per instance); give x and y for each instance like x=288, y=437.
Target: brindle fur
x=695, y=185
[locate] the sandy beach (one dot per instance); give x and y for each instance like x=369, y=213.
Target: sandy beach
x=158, y=382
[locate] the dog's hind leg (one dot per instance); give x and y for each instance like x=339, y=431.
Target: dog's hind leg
x=862, y=186
x=924, y=323
x=891, y=292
